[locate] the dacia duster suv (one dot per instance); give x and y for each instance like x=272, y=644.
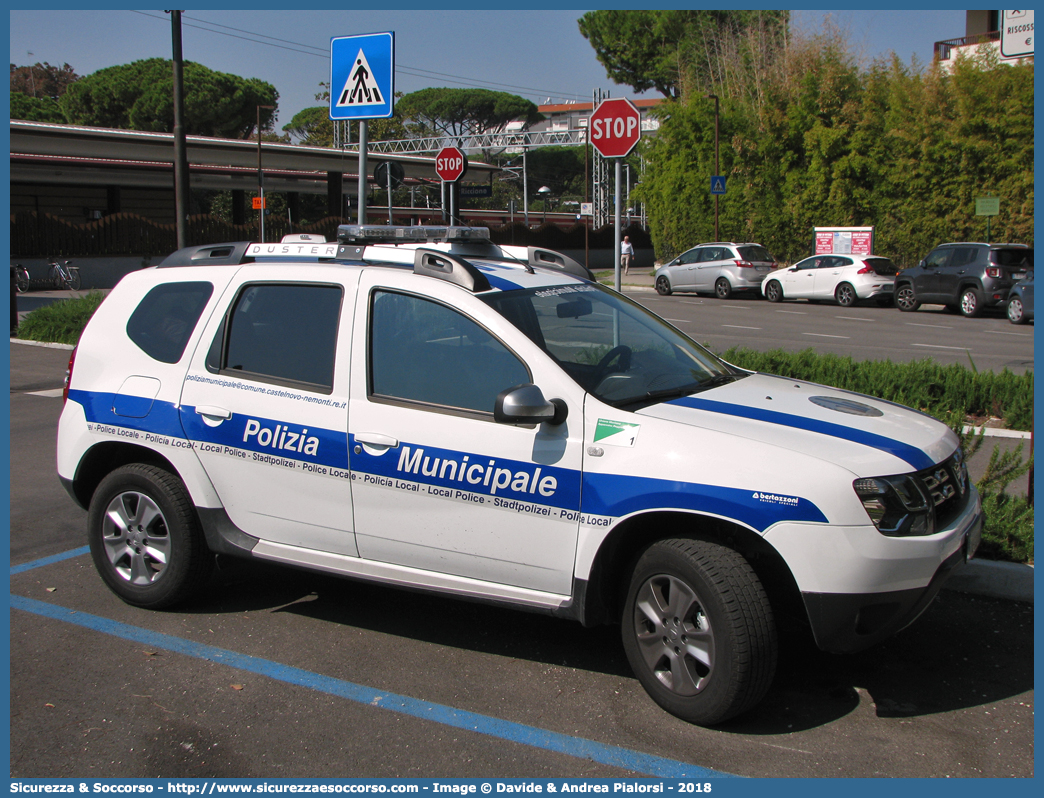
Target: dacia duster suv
x=966, y=277
x=456, y=417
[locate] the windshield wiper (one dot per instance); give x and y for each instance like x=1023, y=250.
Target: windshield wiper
x=721, y=379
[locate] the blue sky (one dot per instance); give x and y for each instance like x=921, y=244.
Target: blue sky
x=536, y=53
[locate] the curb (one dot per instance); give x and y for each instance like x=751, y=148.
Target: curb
x=41, y=343
x=1002, y=580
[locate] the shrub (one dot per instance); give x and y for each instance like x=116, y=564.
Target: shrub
x=60, y=322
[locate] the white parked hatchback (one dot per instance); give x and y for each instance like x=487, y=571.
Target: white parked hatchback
x=844, y=279
x=487, y=422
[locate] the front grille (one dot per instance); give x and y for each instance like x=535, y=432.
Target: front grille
x=947, y=485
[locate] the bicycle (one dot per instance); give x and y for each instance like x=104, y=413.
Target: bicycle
x=62, y=275
x=21, y=278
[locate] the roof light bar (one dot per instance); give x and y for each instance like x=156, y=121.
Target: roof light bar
x=381, y=233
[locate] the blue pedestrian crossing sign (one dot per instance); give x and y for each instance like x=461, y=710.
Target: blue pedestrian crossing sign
x=717, y=184
x=362, y=76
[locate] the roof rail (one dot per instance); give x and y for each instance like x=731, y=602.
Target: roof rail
x=538, y=256
x=452, y=269
x=230, y=254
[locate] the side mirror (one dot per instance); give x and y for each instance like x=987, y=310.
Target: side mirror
x=525, y=404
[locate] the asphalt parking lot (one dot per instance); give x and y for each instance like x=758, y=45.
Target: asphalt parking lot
x=279, y=673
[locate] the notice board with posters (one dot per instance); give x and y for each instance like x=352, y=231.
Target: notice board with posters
x=844, y=240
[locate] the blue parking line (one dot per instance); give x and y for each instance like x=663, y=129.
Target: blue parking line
x=65, y=555
x=532, y=736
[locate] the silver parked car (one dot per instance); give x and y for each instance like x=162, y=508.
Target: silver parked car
x=720, y=268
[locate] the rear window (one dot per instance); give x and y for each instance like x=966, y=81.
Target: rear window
x=1020, y=258
x=882, y=266
x=164, y=320
x=755, y=254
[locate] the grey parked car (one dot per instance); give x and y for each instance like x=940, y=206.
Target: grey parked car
x=720, y=268
x=1020, y=301
x=966, y=277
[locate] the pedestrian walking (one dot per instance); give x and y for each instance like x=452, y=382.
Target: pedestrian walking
x=626, y=253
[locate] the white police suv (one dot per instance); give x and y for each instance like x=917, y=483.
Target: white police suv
x=420, y=407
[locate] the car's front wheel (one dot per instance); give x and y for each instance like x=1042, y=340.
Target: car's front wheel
x=145, y=537
x=845, y=295
x=971, y=302
x=663, y=285
x=774, y=291
x=722, y=288
x=905, y=299
x=698, y=630
x=1016, y=311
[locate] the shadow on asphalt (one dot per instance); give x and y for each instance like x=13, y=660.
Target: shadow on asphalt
x=964, y=652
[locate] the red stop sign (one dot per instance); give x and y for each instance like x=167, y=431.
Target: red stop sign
x=614, y=127
x=451, y=164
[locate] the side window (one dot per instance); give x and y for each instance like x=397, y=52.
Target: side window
x=810, y=263
x=711, y=254
x=164, y=319
x=421, y=351
x=282, y=333
x=939, y=257
x=839, y=263
x=691, y=256
x=962, y=256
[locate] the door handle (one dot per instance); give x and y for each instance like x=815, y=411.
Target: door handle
x=376, y=439
x=214, y=412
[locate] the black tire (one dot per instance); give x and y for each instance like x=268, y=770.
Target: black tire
x=21, y=280
x=1016, y=311
x=686, y=591
x=905, y=299
x=774, y=291
x=971, y=303
x=73, y=283
x=845, y=295
x=155, y=564
x=663, y=285
x=722, y=288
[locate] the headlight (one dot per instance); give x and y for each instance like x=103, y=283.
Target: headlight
x=897, y=505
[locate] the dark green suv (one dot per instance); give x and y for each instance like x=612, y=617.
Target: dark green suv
x=966, y=277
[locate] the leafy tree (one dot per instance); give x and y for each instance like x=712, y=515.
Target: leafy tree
x=42, y=80
x=313, y=125
x=460, y=112
x=35, y=109
x=140, y=96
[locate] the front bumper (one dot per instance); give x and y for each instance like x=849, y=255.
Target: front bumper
x=848, y=622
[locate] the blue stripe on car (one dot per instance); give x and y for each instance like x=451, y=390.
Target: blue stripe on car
x=910, y=454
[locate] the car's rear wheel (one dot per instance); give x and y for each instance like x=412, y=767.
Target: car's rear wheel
x=698, y=630
x=1016, y=311
x=145, y=537
x=774, y=291
x=845, y=295
x=971, y=302
x=722, y=288
x=905, y=300
x=663, y=285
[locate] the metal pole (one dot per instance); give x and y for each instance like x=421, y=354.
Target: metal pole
x=260, y=183
x=616, y=224
x=587, y=222
x=717, y=166
x=181, y=175
x=525, y=186
x=363, y=142
x=389, y=194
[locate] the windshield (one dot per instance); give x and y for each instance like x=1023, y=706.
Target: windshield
x=613, y=347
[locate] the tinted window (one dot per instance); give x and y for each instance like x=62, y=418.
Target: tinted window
x=811, y=263
x=709, y=254
x=163, y=321
x=756, y=254
x=422, y=351
x=689, y=257
x=283, y=333
x=1021, y=258
x=939, y=257
x=962, y=256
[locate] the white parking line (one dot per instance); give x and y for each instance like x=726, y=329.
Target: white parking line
x=933, y=326
x=939, y=346
x=54, y=393
x=824, y=335
x=793, y=312
x=853, y=318
x=680, y=321
x=740, y=327
x=1001, y=332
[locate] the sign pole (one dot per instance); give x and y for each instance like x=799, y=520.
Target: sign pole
x=363, y=134
x=616, y=224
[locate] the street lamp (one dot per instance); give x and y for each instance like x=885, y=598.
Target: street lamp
x=717, y=167
x=260, y=175
x=544, y=192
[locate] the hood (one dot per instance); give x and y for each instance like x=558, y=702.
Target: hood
x=867, y=436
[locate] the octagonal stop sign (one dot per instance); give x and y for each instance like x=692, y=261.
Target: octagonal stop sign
x=451, y=164
x=615, y=127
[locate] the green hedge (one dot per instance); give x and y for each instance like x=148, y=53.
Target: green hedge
x=922, y=384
